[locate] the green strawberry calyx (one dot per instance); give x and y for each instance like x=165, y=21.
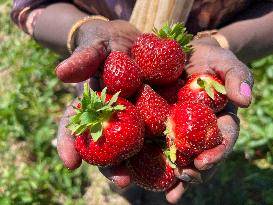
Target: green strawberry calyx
x=93, y=113
x=170, y=154
x=177, y=32
x=210, y=85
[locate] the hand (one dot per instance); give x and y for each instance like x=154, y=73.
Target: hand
x=233, y=72
x=93, y=42
x=209, y=57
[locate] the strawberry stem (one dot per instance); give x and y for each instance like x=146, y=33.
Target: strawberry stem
x=177, y=32
x=170, y=154
x=209, y=85
x=93, y=112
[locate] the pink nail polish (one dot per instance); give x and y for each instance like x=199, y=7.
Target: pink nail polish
x=245, y=89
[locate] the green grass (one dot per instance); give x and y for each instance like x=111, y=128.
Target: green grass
x=32, y=100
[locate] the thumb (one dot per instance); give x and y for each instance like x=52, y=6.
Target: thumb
x=80, y=66
x=118, y=174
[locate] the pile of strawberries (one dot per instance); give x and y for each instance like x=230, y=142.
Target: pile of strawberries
x=148, y=114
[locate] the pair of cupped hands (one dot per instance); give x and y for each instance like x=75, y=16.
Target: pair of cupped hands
x=96, y=39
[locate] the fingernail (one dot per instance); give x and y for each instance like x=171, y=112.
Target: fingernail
x=245, y=89
x=185, y=177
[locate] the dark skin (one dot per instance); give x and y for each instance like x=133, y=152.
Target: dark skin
x=96, y=39
x=115, y=39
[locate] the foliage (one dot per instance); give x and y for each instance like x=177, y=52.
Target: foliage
x=256, y=136
x=32, y=100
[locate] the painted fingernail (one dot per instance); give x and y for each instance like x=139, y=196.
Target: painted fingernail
x=245, y=89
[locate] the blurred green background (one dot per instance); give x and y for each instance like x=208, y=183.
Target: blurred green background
x=31, y=103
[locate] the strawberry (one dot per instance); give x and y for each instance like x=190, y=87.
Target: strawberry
x=121, y=73
x=204, y=88
x=162, y=56
x=175, y=157
x=150, y=170
x=169, y=92
x=153, y=109
x=107, y=129
x=191, y=128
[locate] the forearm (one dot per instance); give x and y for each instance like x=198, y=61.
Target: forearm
x=53, y=25
x=251, y=36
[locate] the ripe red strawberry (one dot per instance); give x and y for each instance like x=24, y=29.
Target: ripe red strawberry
x=108, y=129
x=183, y=160
x=153, y=109
x=162, y=57
x=121, y=73
x=206, y=89
x=169, y=92
x=192, y=128
x=150, y=170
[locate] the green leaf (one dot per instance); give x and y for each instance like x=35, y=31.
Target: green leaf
x=171, y=156
x=177, y=32
x=77, y=128
x=87, y=117
x=166, y=132
x=96, y=131
x=113, y=99
x=93, y=112
x=80, y=129
x=119, y=107
x=209, y=90
x=162, y=33
x=106, y=107
x=103, y=95
x=218, y=87
x=72, y=127
x=167, y=154
x=172, y=153
x=166, y=28
x=93, y=97
x=109, y=108
x=75, y=118
x=86, y=97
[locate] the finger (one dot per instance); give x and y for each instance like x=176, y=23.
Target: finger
x=65, y=143
x=229, y=127
x=208, y=158
x=189, y=175
x=124, y=45
x=208, y=174
x=118, y=174
x=81, y=65
x=123, y=41
x=94, y=84
x=174, y=194
x=237, y=76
